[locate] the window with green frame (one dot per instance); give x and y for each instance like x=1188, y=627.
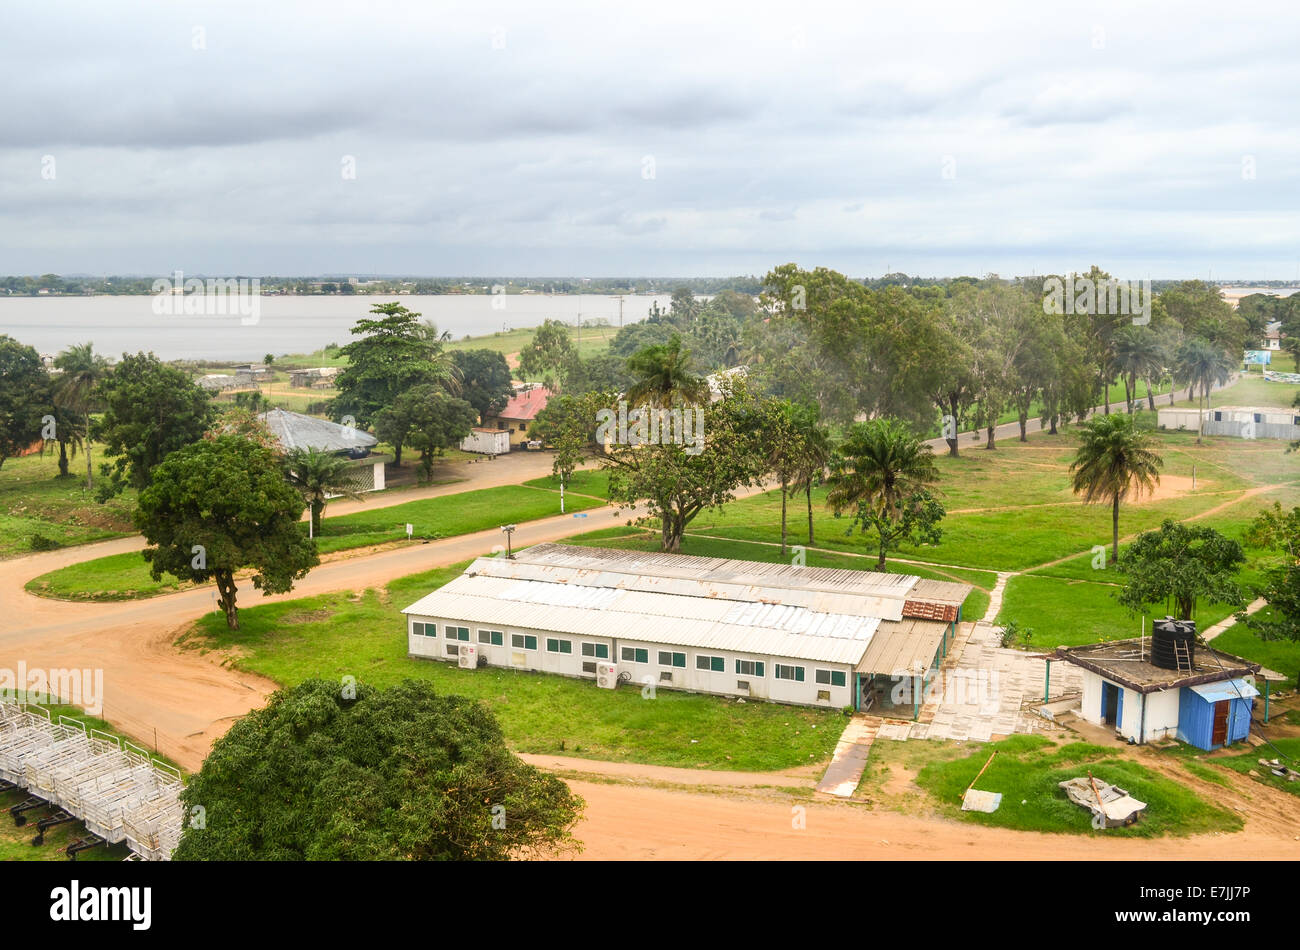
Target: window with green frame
x=784, y=672
x=669, y=658
x=424, y=629
x=523, y=641
x=493, y=637
x=635, y=655
x=714, y=664
x=832, y=677
x=749, y=667
x=554, y=645
x=456, y=633
x=599, y=650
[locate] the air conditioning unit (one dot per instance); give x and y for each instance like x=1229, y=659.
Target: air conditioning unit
x=606, y=674
x=468, y=656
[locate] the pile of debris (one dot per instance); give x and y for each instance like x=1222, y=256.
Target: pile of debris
x=1111, y=806
x=1280, y=770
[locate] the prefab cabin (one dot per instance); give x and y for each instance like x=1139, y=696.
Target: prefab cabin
x=791, y=634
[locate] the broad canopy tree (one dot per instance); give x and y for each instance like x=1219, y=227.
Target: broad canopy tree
x=220, y=506
x=330, y=773
x=394, y=352
x=1178, y=565
x=150, y=410
x=24, y=397
x=426, y=418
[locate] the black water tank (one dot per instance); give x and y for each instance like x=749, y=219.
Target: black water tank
x=1164, y=634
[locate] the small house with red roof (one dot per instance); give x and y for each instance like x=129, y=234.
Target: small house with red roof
x=520, y=412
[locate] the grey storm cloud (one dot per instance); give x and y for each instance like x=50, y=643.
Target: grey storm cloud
x=678, y=138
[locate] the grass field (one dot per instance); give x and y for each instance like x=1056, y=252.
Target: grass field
x=35, y=501
x=1027, y=769
x=364, y=635
x=126, y=576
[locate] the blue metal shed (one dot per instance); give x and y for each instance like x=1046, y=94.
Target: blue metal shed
x=1212, y=715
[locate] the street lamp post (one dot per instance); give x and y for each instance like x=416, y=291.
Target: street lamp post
x=507, y=530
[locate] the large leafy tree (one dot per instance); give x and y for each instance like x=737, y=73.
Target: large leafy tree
x=884, y=475
x=676, y=484
x=549, y=356
x=220, y=506
x=1115, y=460
x=484, y=380
x=428, y=419
x=394, y=352
x=24, y=396
x=323, y=773
x=150, y=410
x=69, y=436
x=1277, y=531
x=77, y=389
x=319, y=476
x=1179, y=564
x=567, y=426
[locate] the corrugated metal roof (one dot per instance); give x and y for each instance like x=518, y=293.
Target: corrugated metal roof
x=900, y=649
x=293, y=430
x=1224, y=689
x=826, y=614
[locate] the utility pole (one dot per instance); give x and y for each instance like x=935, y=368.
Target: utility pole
x=620, y=311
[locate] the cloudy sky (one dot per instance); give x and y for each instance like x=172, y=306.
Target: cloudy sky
x=663, y=138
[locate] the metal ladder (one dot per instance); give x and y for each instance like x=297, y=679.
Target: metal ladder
x=1182, y=656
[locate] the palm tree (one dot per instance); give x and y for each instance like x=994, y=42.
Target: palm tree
x=69, y=436
x=1138, y=355
x=814, y=453
x=663, y=370
x=318, y=475
x=880, y=465
x=77, y=389
x=1116, y=459
x=1203, y=366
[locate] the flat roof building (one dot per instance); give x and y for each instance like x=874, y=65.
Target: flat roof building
x=1203, y=696
x=805, y=635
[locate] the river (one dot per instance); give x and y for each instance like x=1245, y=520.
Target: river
x=282, y=324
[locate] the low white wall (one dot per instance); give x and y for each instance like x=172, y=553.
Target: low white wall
x=690, y=678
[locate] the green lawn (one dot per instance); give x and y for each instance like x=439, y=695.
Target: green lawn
x=446, y=515
x=1280, y=655
x=364, y=636
x=1027, y=769
x=35, y=501
x=584, y=482
x=126, y=576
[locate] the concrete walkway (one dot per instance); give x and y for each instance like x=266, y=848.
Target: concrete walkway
x=850, y=757
x=1230, y=620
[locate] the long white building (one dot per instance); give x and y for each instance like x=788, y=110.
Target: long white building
x=806, y=635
